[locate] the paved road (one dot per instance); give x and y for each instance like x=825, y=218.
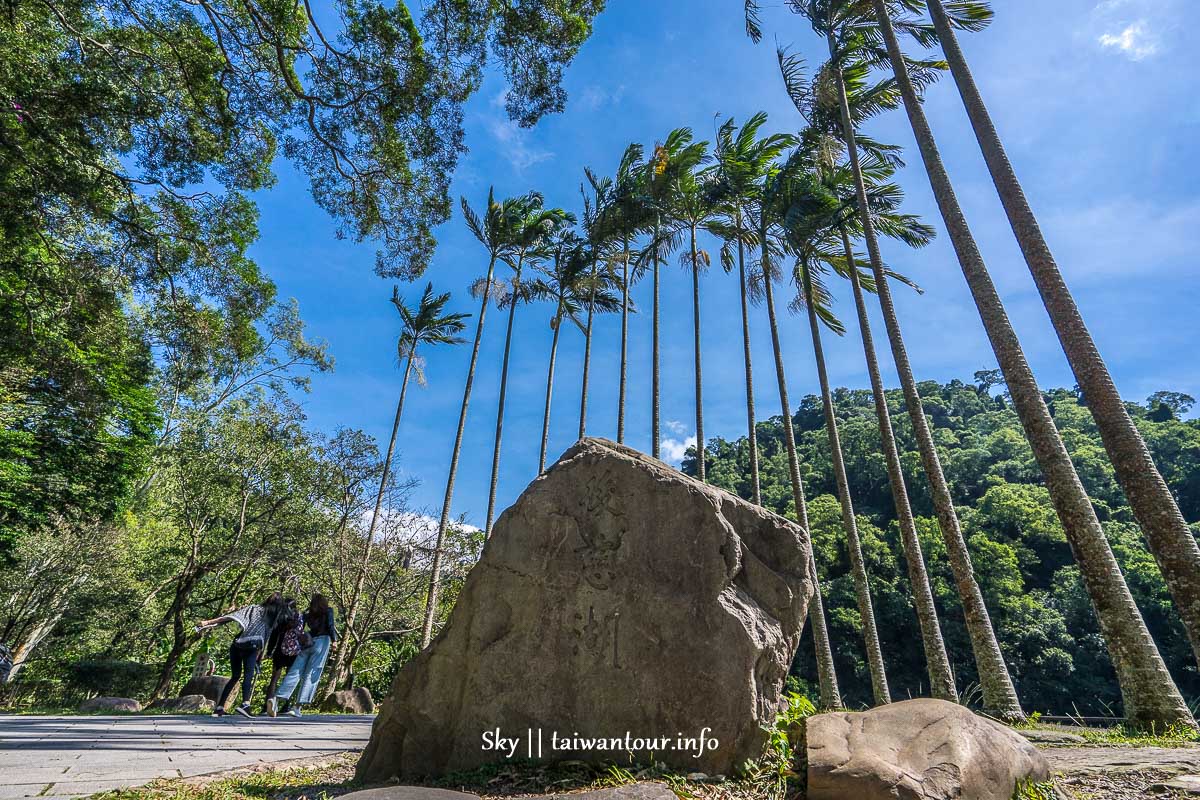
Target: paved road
x=1112, y=760
x=76, y=756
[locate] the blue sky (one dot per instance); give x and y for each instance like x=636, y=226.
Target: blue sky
x=1094, y=100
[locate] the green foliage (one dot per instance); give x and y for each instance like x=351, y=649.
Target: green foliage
x=113, y=677
x=77, y=414
x=1033, y=790
x=1041, y=612
x=1174, y=736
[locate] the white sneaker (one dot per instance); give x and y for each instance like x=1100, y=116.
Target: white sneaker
x=244, y=710
x=272, y=709
x=293, y=712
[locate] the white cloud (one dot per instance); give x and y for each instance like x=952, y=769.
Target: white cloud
x=516, y=144
x=406, y=526
x=595, y=97
x=676, y=427
x=673, y=450
x=1136, y=41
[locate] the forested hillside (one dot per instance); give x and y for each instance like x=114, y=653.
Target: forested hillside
x=1040, y=609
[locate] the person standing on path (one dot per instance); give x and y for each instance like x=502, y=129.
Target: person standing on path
x=257, y=622
x=306, y=672
x=285, y=644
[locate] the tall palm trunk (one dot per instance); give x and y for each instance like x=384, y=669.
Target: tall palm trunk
x=624, y=343
x=999, y=696
x=549, y=388
x=699, y=382
x=941, y=676
x=435, y=572
x=514, y=301
x=587, y=354
x=655, y=404
x=1150, y=696
x=858, y=569
x=369, y=544
x=1167, y=534
x=826, y=674
x=751, y=426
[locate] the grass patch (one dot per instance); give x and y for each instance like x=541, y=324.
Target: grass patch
x=298, y=782
x=1175, y=736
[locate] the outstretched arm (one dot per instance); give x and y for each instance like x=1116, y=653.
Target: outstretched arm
x=205, y=624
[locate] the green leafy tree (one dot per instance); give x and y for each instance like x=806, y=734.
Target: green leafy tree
x=622, y=218
x=741, y=162
x=776, y=185
x=494, y=230
x=1156, y=509
x=691, y=205
x=602, y=245
x=428, y=324
x=565, y=280
x=674, y=161
x=1150, y=695
x=808, y=211
x=528, y=244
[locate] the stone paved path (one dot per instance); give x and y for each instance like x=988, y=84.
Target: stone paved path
x=65, y=757
x=1108, y=760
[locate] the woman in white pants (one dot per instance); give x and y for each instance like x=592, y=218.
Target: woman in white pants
x=305, y=673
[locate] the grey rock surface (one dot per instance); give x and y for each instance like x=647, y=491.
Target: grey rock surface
x=350, y=701
x=917, y=750
x=110, y=704
x=618, y=599
x=186, y=703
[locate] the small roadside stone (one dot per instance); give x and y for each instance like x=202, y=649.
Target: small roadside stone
x=119, y=704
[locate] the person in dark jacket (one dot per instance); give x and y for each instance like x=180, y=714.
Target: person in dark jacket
x=283, y=648
x=257, y=622
x=306, y=672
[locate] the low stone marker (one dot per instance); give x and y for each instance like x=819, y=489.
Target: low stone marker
x=620, y=609
x=917, y=750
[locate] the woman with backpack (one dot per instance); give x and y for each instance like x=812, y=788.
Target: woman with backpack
x=257, y=622
x=285, y=644
x=306, y=672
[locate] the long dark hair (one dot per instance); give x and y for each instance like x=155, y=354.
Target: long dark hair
x=317, y=615
x=276, y=607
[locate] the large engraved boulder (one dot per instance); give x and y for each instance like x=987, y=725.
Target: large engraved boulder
x=917, y=750
x=618, y=600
